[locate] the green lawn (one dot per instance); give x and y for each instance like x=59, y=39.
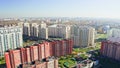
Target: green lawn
x=101, y=36
x=82, y=50
x=98, y=45
x=2, y=60
x=67, y=61
x=28, y=43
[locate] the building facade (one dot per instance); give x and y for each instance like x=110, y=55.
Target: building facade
x=43, y=33
x=38, y=53
x=10, y=37
x=34, y=29
x=38, y=30
x=111, y=49
x=59, y=30
x=83, y=36
x=26, y=28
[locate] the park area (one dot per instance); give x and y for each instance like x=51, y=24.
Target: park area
x=68, y=62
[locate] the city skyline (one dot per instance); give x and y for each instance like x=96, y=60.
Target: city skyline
x=60, y=8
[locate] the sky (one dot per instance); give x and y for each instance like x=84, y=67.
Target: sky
x=60, y=8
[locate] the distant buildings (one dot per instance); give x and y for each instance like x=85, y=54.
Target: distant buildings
x=114, y=32
x=35, y=55
x=35, y=30
x=59, y=30
x=103, y=29
x=10, y=36
x=83, y=36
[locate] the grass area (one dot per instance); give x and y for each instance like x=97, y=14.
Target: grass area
x=101, y=36
x=98, y=45
x=2, y=60
x=28, y=42
x=83, y=56
x=55, y=38
x=81, y=50
x=67, y=62
x=106, y=63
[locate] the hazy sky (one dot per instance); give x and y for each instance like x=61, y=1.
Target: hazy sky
x=60, y=8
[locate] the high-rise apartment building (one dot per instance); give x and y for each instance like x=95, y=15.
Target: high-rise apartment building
x=42, y=25
x=10, y=37
x=83, y=36
x=35, y=30
x=43, y=33
x=26, y=28
x=59, y=30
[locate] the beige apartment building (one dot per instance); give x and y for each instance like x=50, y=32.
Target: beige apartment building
x=59, y=30
x=83, y=36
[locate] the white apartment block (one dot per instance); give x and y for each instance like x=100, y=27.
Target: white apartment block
x=43, y=33
x=114, y=32
x=83, y=36
x=42, y=25
x=35, y=30
x=26, y=28
x=10, y=37
x=60, y=30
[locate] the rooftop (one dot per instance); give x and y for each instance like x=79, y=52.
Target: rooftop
x=114, y=39
x=53, y=25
